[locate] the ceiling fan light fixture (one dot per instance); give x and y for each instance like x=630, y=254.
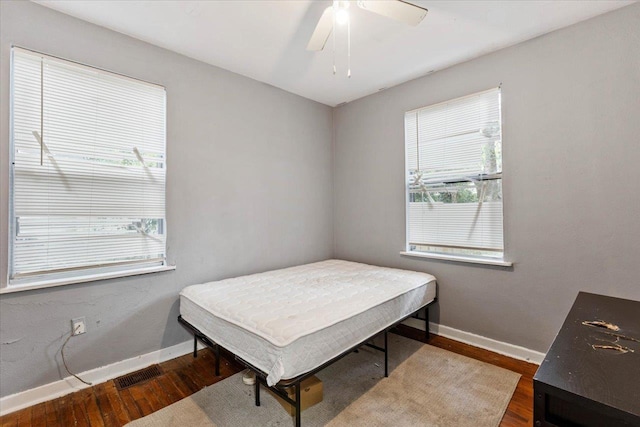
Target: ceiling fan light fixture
x=342, y=16
x=341, y=12
x=338, y=14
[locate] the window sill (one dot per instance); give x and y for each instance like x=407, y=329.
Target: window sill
x=49, y=283
x=459, y=258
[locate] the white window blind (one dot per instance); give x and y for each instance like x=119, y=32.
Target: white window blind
x=88, y=176
x=454, y=176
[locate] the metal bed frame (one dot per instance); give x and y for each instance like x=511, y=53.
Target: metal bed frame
x=261, y=377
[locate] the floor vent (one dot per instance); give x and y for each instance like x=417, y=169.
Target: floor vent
x=137, y=377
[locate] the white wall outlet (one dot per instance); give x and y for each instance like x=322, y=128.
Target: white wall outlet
x=78, y=326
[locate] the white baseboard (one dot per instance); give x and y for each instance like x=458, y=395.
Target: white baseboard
x=500, y=347
x=70, y=384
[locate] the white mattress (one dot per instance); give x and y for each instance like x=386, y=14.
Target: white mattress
x=290, y=321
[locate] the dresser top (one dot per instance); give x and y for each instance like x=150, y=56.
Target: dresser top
x=596, y=354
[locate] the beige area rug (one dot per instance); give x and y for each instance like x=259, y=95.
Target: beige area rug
x=427, y=386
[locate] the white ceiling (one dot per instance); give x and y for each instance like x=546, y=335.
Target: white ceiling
x=266, y=40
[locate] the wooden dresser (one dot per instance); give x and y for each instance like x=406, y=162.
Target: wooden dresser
x=591, y=374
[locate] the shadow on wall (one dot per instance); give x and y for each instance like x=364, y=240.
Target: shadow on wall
x=174, y=333
x=434, y=312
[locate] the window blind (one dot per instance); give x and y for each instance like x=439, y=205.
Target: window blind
x=88, y=176
x=454, y=176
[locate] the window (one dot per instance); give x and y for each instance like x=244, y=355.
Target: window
x=454, y=178
x=88, y=178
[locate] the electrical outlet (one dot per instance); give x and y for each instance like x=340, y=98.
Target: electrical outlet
x=78, y=326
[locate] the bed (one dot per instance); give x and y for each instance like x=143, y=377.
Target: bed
x=288, y=324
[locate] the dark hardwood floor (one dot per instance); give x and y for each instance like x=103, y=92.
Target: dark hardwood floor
x=105, y=405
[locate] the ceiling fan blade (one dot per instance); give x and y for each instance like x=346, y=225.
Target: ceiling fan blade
x=396, y=9
x=322, y=31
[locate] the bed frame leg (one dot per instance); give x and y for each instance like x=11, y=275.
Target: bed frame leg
x=218, y=362
x=257, y=391
x=386, y=354
x=426, y=324
x=195, y=346
x=298, y=411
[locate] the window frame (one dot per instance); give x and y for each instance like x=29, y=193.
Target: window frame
x=454, y=257
x=74, y=275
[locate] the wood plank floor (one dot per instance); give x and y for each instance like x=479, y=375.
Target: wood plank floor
x=105, y=406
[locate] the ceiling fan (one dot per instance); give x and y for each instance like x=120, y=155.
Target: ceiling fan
x=338, y=13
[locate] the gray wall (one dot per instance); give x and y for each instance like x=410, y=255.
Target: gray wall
x=251, y=176
x=571, y=137
x=249, y=188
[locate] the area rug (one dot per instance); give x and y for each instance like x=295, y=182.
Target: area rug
x=427, y=386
